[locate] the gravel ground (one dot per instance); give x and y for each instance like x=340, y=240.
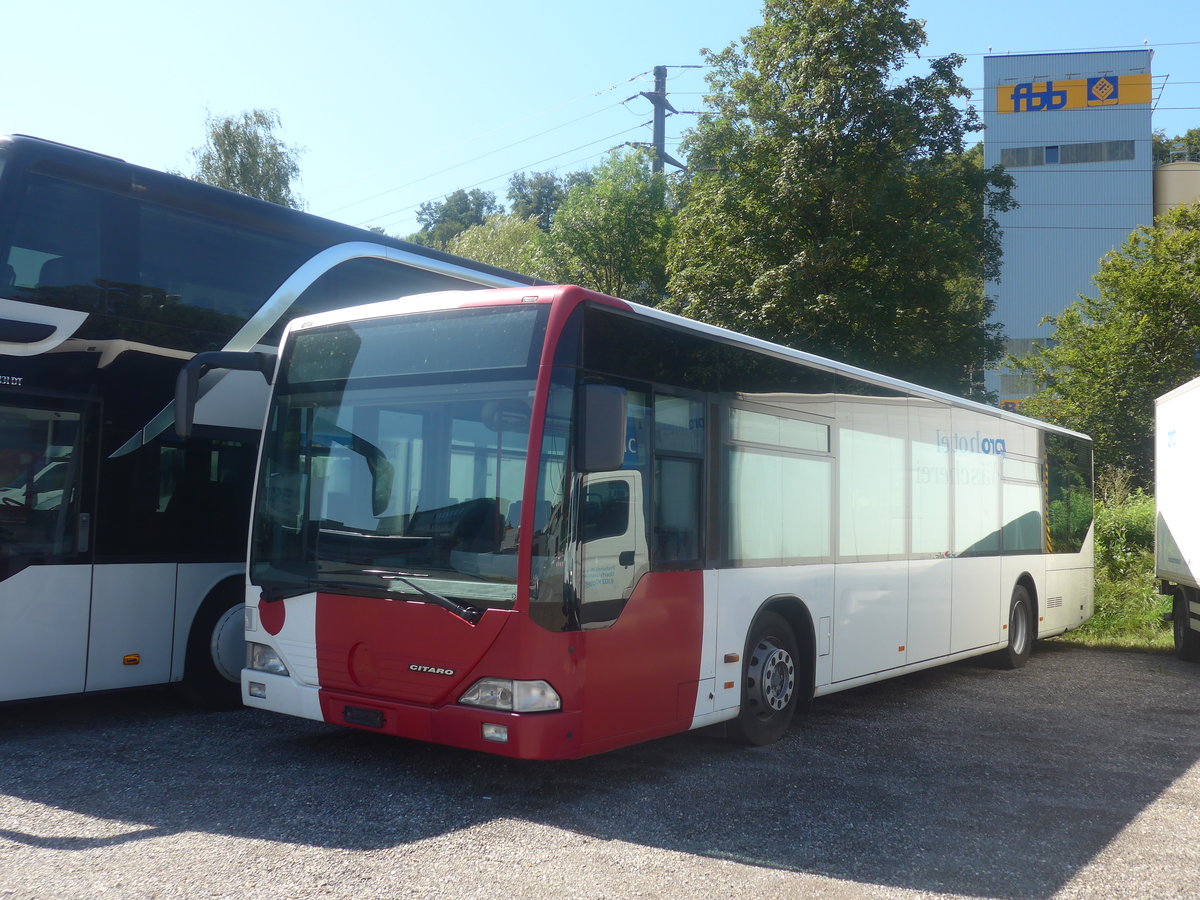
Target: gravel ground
x=1074, y=777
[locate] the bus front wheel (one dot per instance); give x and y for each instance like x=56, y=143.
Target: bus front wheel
x=216, y=651
x=769, y=682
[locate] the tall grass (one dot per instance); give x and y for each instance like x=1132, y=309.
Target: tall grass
x=1129, y=609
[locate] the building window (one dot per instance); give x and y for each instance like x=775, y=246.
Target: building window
x=1102, y=151
x=1067, y=154
x=1020, y=157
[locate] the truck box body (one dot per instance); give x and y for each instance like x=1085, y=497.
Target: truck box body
x=1177, y=485
x=1177, y=523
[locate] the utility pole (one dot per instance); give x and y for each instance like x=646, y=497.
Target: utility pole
x=661, y=107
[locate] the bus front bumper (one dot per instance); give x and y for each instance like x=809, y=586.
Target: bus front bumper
x=542, y=735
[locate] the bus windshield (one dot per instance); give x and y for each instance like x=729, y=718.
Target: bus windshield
x=394, y=458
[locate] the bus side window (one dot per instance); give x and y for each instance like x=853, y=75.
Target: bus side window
x=676, y=511
x=679, y=446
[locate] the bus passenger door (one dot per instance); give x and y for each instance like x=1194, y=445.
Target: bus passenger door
x=612, y=540
x=46, y=503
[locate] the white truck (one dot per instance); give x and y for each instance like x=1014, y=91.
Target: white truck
x=1177, y=525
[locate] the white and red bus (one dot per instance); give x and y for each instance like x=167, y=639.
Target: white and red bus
x=545, y=523
x=122, y=548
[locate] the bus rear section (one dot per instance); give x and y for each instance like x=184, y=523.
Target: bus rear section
x=545, y=523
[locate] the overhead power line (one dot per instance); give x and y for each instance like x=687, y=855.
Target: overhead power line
x=511, y=172
x=468, y=162
x=475, y=140
x=658, y=98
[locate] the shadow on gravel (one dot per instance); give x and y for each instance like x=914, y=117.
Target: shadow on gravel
x=963, y=779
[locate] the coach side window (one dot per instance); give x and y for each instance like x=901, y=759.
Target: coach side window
x=55, y=256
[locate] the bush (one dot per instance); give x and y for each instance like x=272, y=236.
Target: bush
x=1129, y=610
x=1124, y=525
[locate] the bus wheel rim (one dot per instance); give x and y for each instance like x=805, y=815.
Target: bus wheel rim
x=773, y=672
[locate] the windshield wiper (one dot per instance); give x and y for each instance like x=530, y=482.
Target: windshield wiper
x=468, y=614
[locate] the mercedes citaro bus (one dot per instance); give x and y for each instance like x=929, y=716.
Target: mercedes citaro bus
x=545, y=523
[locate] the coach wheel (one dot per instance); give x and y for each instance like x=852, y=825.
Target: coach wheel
x=1187, y=639
x=216, y=651
x=1020, y=630
x=769, y=695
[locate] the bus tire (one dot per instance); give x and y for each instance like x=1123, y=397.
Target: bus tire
x=1020, y=630
x=1187, y=639
x=769, y=682
x=216, y=650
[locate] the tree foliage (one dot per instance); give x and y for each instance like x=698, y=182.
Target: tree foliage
x=508, y=242
x=1111, y=355
x=1165, y=148
x=833, y=208
x=540, y=194
x=443, y=220
x=605, y=229
x=610, y=233
x=242, y=153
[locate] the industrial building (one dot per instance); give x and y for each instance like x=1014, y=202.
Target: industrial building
x=1073, y=130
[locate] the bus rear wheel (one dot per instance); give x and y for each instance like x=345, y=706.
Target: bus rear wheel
x=1020, y=630
x=216, y=651
x=769, y=682
x=1187, y=639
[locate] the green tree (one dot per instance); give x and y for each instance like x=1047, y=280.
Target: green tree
x=508, y=242
x=1111, y=355
x=541, y=194
x=442, y=220
x=242, y=153
x=831, y=207
x=610, y=233
x=1188, y=143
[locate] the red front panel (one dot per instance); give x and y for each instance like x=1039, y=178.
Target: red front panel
x=401, y=650
x=631, y=682
x=399, y=668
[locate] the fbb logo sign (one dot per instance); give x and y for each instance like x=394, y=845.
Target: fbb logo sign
x=1073, y=93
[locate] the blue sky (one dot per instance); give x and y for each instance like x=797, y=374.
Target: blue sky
x=400, y=102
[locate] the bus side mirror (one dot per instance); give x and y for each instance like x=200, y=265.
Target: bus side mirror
x=187, y=384
x=601, y=435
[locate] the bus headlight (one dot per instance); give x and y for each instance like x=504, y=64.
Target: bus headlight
x=512, y=696
x=262, y=658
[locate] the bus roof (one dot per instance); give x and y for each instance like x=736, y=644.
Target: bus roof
x=572, y=295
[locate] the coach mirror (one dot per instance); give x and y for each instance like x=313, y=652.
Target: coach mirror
x=601, y=435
